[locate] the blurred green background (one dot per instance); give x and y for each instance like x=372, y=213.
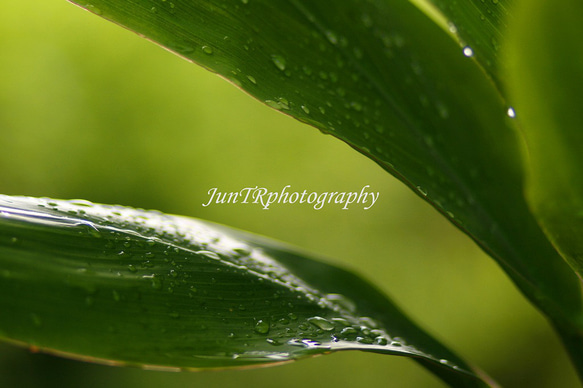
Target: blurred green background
x=89, y=110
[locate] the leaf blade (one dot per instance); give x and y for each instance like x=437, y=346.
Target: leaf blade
x=382, y=86
x=478, y=25
x=142, y=288
x=545, y=82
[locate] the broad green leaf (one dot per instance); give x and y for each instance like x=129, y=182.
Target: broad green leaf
x=134, y=287
x=387, y=80
x=478, y=25
x=546, y=81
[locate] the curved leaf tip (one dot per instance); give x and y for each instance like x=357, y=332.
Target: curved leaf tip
x=142, y=288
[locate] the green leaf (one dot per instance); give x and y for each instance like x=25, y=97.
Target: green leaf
x=477, y=25
x=388, y=81
x=134, y=287
x=546, y=81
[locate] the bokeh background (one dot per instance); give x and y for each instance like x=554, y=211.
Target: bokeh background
x=89, y=110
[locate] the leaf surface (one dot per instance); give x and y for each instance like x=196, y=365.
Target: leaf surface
x=546, y=80
x=477, y=25
x=133, y=287
x=388, y=81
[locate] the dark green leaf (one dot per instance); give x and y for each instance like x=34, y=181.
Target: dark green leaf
x=381, y=76
x=134, y=287
x=477, y=25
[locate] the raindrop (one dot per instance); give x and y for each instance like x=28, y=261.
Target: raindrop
x=511, y=113
x=442, y=110
x=422, y=191
x=348, y=331
x=306, y=109
x=95, y=10
x=278, y=61
x=364, y=340
x=356, y=106
x=468, y=52
x=332, y=37
x=381, y=341
x=252, y=79
x=208, y=50
x=273, y=341
x=321, y=323
x=262, y=327
x=366, y=20
x=36, y=320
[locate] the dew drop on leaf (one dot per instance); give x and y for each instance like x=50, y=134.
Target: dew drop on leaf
x=262, y=327
x=321, y=323
x=278, y=61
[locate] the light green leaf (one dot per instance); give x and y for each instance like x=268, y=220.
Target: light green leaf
x=387, y=80
x=546, y=81
x=133, y=287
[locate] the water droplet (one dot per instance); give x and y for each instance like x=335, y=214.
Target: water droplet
x=252, y=79
x=278, y=61
x=154, y=10
x=494, y=1
x=273, y=341
x=452, y=28
x=321, y=323
x=364, y=340
x=381, y=341
x=208, y=50
x=306, y=109
x=366, y=20
x=341, y=301
x=468, y=52
x=422, y=191
x=95, y=10
x=356, y=106
x=262, y=327
x=349, y=331
x=368, y=321
x=245, y=1
x=511, y=113
x=116, y=296
x=36, y=320
x=442, y=110
x=155, y=282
